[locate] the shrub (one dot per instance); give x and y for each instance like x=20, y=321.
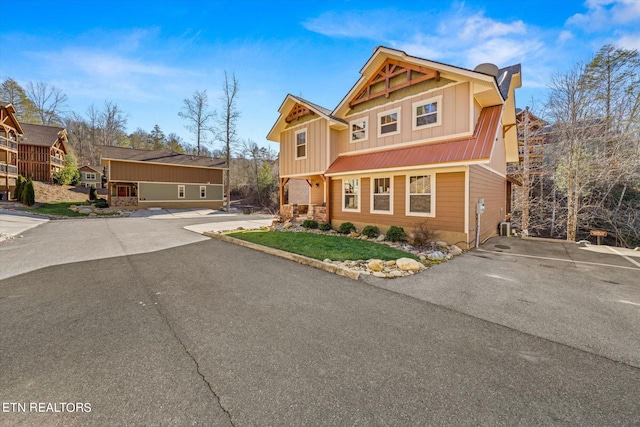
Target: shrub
x=325, y=226
x=396, y=234
x=101, y=203
x=93, y=193
x=28, y=196
x=423, y=235
x=19, y=188
x=371, y=231
x=346, y=228
x=310, y=223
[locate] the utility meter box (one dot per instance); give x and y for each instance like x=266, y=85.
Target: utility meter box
x=480, y=206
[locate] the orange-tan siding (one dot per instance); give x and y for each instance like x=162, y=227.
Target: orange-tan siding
x=491, y=187
x=315, y=160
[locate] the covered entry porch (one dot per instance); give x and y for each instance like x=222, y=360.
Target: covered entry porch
x=305, y=197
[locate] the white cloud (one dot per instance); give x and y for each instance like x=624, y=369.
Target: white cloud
x=564, y=36
x=630, y=41
x=606, y=14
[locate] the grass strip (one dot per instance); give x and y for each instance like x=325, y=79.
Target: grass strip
x=321, y=246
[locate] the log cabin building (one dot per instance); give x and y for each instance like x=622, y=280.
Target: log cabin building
x=10, y=132
x=414, y=140
x=41, y=151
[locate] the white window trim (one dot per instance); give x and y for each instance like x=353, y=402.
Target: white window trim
x=433, y=195
x=306, y=143
x=386, y=113
x=371, y=184
x=184, y=191
x=415, y=105
x=203, y=187
x=90, y=176
x=359, y=195
x=366, y=129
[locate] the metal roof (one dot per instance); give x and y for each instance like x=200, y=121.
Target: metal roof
x=477, y=147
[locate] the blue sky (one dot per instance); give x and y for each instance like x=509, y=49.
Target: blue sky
x=148, y=56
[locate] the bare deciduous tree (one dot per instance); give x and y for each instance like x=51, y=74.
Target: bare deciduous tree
x=227, y=125
x=196, y=112
x=49, y=102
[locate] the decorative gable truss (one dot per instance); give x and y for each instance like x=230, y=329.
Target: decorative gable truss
x=297, y=112
x=392, y=76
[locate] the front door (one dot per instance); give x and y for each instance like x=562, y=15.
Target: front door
x=123, y=191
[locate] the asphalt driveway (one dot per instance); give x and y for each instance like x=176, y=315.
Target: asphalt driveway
x=587, y=297
x=176, y=329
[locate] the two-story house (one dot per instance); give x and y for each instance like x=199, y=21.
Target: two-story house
x=10, y=131
x=91, y=176
x=141, y=179
x=41, y=151
x=414, y=140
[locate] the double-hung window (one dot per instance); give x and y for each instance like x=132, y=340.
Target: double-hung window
x=301, y=144
x=427, y=113
x=389, y=122
x=203, y=191
x=358, y=130
x=351, y=195
x=180, y=191
x=420, y=195
x=381, y=195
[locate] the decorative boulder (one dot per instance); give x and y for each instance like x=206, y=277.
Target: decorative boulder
x=454, y=250
x=287, y=225
x=442, y=245
x=436, y=256
x=376, y=265
x=380, y=238
x=408, y=264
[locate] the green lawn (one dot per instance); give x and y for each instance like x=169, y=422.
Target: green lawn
x=320, y=246
x=58, y=208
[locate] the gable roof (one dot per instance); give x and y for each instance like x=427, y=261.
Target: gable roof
x=8, y=115
x=488, y=85
x=96, y=169
x=167, y=157
x=43, y=136
x=289, y=102
x=476, y=148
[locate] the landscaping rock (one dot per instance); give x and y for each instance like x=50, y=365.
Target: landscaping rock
x=395, y=274
x=354, y=234
x=442, y=245
x=408, y=264
x=436, y=256
x=390, y=263
x=455, y=251
x=376, y=265
x=379, y=274
x=380, y=238
x=287, y=225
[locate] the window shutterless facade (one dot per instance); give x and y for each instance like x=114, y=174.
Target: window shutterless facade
x=420, y=200
x=301, y=144
x=359, y=130
x=389, y=122
x=381, y=195
x=427, y=113
x=203, y=191
x=180, y=191
x=351, y=195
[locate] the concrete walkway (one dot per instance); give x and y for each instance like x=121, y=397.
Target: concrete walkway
x=14, y=224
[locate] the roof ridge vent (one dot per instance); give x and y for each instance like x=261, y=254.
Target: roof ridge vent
x=487, y=68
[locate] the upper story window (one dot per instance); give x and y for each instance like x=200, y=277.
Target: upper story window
x=90, y=176
x=351, y=195
x=427, y=113
x=359, y=130
x=420, y=195
x=301, y=144
x=388, y=122
x=381, y=199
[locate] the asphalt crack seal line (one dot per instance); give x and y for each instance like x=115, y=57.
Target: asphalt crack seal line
x=156, y=305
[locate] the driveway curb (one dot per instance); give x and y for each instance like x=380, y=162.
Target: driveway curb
x=331, y=268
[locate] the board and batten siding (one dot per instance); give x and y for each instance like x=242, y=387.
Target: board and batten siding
x=449, y=206
x=315, y=160
x=154, y=191
x=139, y=171
x=493, y=188
x=454, y=111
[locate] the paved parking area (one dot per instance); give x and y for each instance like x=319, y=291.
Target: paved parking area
x=583, y=296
